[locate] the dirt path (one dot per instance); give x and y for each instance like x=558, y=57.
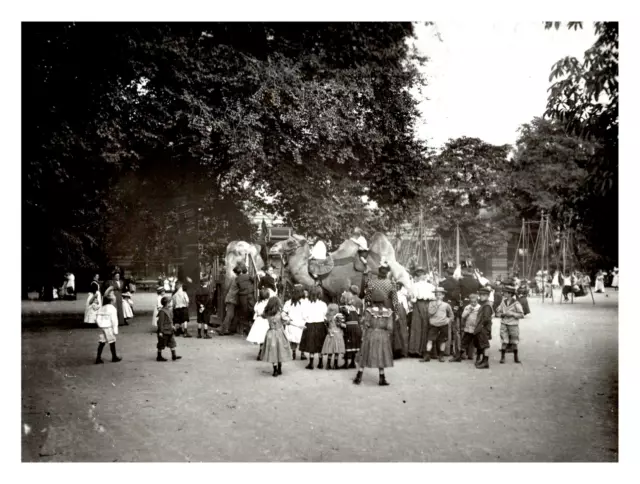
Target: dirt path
x=219, y=404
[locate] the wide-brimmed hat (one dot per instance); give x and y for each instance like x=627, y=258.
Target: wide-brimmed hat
x=159, y=290
x=439, y=290
x=420, y=271
x=509, y=289
x=484, y=290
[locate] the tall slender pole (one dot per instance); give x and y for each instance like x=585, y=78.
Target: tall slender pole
x=544, y=242
x=457, y=245
x=523, y=250
x=439, y=256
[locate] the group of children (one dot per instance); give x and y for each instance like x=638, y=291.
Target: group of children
x=305, y=323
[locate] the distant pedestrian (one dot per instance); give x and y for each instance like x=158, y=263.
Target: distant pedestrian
x=615, y=281
x=511, y=312
x=600, y=282
x=94, y=301
x=334, y=340
x=115, y=286
x=181, y=311
x=166, y=331
x=276, y=347
x=127, y=305
x=107, y=320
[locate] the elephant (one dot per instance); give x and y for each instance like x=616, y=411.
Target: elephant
x=296, y=252
x=237, y=251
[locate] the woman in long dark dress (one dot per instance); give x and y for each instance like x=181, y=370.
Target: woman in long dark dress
x=115, y=286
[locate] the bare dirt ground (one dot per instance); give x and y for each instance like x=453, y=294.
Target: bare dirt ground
x=219, y=404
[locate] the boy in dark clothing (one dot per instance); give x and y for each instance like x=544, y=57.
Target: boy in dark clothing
x=246, y=299
x=482, y=332
x=203, y=304
x=166, y=330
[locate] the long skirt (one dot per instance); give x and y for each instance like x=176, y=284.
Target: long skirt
x=352, y=337
x=276, y=347
x=376, y=349
x=616, y=281
x=127, y=310
x=400, y=334
x=599, y=286
x=258, y=331
x=313, y=337
x=419, y=328
x=333, y=343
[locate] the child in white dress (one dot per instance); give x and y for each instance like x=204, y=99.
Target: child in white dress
x=294, y=315
x=260, y=324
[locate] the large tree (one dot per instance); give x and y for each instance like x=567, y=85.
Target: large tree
x=584, y=98
x=467, y=185
x=212, y=111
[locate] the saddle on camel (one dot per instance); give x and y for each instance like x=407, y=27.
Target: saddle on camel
x=321, y=263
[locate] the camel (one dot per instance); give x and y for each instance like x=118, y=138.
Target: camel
x=344, y=273
x=237, y=251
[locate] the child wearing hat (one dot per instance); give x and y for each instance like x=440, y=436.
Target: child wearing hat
x=166, y=330
x=440, y=317
x=511, y=312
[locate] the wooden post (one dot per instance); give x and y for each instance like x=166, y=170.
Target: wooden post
x=457, y=245
x=523, y=251
x=439, y=256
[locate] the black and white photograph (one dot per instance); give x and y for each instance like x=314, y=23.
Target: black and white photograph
x=319, y=241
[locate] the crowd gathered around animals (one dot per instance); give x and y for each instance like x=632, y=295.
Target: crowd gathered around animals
x=367, y=326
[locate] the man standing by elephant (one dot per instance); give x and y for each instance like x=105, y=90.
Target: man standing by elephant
x=246, y=298
x=230, y=302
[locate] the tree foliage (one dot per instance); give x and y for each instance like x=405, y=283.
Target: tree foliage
x=117, y=113
x=467, y=186
x=584, y=98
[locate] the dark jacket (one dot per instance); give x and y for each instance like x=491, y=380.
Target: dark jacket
x=245, y=284
x=484, y=320
x=165, y=322
x=267, y=282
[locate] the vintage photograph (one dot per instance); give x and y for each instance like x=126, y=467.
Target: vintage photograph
x=315, y=242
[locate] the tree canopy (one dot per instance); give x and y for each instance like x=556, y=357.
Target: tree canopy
x=124, y=115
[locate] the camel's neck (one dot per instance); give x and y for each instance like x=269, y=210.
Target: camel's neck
x=299, y=267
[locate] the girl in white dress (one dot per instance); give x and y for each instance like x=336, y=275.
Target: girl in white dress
x=94, y=302
x=127, y=306
x=615, y=281
x=294, y=314
x=260, y=324
x=600, y=282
